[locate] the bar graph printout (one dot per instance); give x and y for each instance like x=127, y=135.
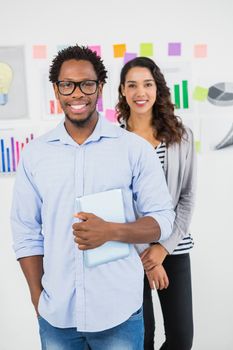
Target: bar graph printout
x=12, y=142
x=178, y=79
x=52, y=108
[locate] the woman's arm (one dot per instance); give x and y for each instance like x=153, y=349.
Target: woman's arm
x=185, y=205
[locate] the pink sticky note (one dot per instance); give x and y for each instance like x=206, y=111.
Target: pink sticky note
x=100, y=104
x=39, y=51
x=111, y=115
x=95, y=48
x=200, y=50
x=174, y=49
x=129, y=56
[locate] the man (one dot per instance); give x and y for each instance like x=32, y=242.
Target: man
x=77, y=305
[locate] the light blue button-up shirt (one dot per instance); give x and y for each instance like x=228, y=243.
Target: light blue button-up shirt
x=53, y=171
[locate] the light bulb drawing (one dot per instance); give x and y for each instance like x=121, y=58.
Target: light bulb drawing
x=6, y=75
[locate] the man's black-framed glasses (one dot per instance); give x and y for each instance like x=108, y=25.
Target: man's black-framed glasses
x=88, y=87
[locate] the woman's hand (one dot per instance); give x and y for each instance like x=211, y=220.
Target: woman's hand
x=157, y=277
x=153, y=256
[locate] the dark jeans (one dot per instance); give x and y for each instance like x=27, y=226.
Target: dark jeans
x=176, y=305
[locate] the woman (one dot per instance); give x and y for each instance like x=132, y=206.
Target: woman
x=145, y=108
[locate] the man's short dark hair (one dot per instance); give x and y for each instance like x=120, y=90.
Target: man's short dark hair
x=77, y=52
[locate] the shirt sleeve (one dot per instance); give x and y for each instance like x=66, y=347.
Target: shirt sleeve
x=150, y=191
x=185, y=205
x=26, y=213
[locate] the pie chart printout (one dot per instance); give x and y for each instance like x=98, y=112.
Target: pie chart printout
x=221, y=94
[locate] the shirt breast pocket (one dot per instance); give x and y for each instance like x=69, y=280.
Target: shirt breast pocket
x=53, y=173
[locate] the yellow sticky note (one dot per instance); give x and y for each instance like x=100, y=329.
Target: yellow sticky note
x=119, y=50
x=200, y=50
x=146, y=49
x=39, y=51
x=198, y=146
x=200, y=93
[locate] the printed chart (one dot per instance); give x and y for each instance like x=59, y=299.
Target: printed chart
x=12, y=143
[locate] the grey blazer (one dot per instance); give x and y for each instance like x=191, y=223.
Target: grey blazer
x=180, y=173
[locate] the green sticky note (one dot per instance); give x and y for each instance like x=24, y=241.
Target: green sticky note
x=198, y=146
x=146, y=49
x=200, y=93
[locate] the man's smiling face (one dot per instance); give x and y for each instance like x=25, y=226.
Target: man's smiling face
x=78, y=107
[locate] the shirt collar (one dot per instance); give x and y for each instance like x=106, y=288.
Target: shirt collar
x=103, y=128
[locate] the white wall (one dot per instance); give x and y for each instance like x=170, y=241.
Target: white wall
x=52, y=23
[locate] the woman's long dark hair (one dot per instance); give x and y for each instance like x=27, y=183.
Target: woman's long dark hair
x=168, y=127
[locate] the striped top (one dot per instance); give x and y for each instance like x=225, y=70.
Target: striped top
x=187, y=242
x=161, y=152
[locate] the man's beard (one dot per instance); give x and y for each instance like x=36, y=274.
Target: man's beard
x=83, y=122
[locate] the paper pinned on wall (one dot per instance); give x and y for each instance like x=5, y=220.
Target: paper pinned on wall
x=39, y=51
x=200, y=93
x=51, y=106
x=13, y=87
x=146, y=49
x=111, y=115
x=129, y=56
x=200, y=50
x=119, y=50
x=179, y=80
x=174, y=49
x=95, y=48
x=12, y=142
x=198, y=146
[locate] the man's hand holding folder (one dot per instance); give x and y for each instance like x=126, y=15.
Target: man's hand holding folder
x=91, y=231
x=101, y=231
x=98, y=213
